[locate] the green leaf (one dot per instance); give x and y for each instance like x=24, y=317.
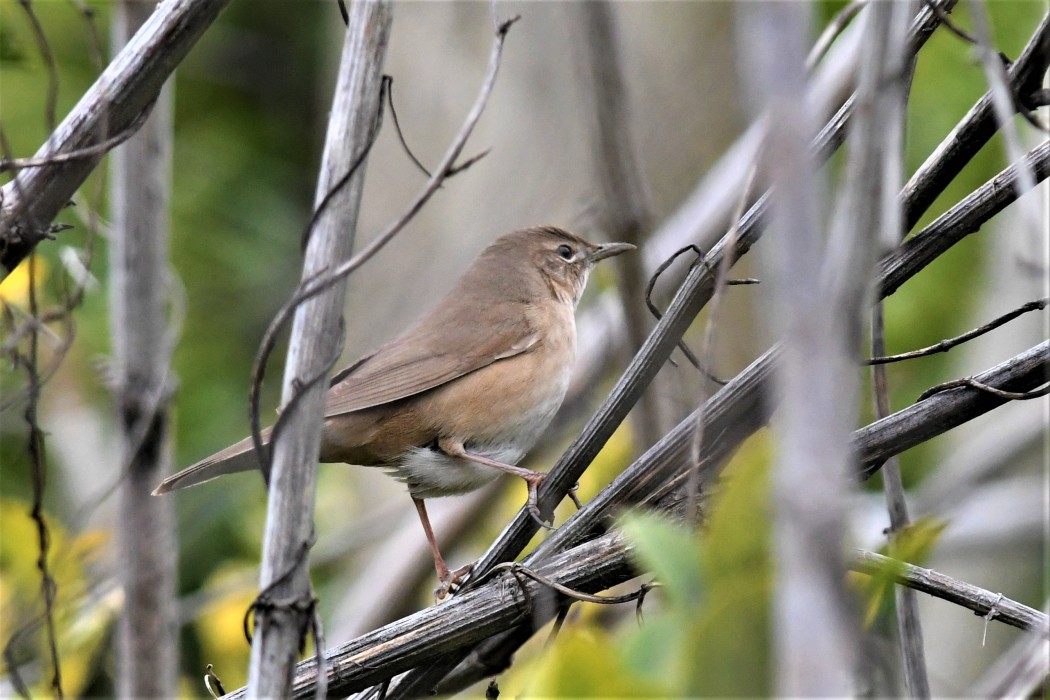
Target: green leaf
x=912, y=545
x=671, y=553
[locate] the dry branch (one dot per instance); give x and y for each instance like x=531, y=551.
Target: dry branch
x=441, y=629
x=113, y=105
x=284, y=609
x=913, y=425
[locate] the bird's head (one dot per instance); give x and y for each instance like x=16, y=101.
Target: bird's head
x=559, y=260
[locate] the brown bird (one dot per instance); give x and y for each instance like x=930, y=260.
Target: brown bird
x=467, y=390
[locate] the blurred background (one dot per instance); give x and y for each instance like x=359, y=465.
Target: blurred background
x=251, y=105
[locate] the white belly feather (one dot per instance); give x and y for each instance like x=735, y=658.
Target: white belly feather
x=430, y=473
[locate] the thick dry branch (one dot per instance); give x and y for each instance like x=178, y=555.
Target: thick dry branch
x=128, y=87
x=982, y=601
x=499, y=604
x=948, y=409
x=284, y=609
x=960, y=221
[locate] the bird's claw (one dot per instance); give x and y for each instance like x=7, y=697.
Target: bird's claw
x=534, y=511
x=533, y=503
x=449, y=583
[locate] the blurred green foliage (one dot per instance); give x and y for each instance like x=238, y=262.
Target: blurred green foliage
x=250, y=103
x=913, y=545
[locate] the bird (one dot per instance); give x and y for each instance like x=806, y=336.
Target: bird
x=464, y=392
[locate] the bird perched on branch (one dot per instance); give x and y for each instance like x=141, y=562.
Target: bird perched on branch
x=467, y=390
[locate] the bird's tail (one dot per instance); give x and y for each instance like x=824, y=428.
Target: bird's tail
x=235, y=458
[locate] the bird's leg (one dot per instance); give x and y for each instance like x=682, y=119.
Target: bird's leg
x=447, y=579
x=455, y=448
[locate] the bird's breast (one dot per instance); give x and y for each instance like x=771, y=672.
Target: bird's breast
x=512, y=400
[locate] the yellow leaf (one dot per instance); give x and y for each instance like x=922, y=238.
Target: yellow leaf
x=585, y=662
x=14, y=289
x=220, y=624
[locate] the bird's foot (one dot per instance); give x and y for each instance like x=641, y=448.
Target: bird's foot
x=448, y=583
x=533, y=504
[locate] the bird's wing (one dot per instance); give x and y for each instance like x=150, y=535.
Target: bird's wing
x=436, y=350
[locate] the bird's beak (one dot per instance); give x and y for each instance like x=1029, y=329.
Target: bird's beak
x=607, y=250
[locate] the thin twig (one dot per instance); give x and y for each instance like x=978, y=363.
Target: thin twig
x=948, y=22
x=987, y=388
x=945, y=410
x=92, y=151
x=518, y=568
x=397, y=126
x=949, y=343
x=33, y=327
x=835, y=27
x=660, y=269
x=38, y=474
x=48, y=56
x=37, y=459
x=692, y=510
x=909, y=624
x=446, y=166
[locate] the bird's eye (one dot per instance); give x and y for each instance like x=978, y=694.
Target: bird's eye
x=565, y=252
